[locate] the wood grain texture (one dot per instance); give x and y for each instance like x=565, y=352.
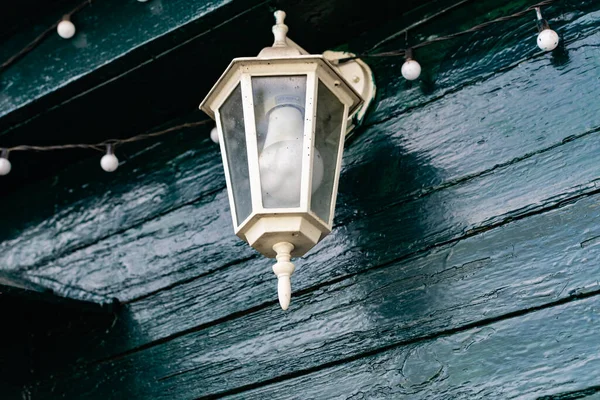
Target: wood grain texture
x=361, y=191
x=81, y=213
x=535, y=355
x=463, y=206
x=107, y=207
x=484, y=277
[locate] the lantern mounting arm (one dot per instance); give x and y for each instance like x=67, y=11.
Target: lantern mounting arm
x=356, y=73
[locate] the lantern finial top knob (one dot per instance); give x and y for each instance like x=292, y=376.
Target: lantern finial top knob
x=279, y=17
x=280, y=29
x=280, y=48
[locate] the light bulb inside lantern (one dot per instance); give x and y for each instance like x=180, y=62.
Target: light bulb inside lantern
x=411, y=70
x=280, y=162
x=547, y=40
x=65, y=29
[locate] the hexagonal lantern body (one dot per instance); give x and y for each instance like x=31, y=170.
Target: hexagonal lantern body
x=281, y=125
x=281, y=119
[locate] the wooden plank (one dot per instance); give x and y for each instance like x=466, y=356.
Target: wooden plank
x=177, y=366
x=141, y=259
x=451, y=66
x=543, y=353
x=83, y=209
x=104, y=207
x=94, y=47
x=161, y=253
x=486, y=277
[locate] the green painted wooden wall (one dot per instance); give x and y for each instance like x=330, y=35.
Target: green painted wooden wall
x=465, y=257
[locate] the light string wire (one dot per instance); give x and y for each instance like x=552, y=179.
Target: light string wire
x=479, y=27
x=101, y=146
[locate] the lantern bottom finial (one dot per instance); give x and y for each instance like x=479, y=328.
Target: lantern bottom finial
x=284, y=270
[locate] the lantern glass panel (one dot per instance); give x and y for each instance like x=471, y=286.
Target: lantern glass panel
x=279, y=114
x=234, y=140
x=328, y=133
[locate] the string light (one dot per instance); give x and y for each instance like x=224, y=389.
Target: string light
x=40, y=38
x=479, y=27
x=109, y=162
x=547, y=39
x=65, y=28
x=5, y=165
x=214, y=135
x=411, y=69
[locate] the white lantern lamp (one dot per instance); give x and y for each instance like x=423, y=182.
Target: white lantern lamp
x=281, y=120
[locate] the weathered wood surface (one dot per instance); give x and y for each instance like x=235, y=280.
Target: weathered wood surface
x=452, y=220
x=197, y=171
x=488, y=276
x=196, y=165
x=451, y=215
x=538, y=354
x=57, y=62
x=147, y=265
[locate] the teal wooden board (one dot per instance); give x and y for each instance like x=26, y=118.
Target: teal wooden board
x=535, y=355
x=94, y=46
x=407, y=173
x=471, y=282
x=392, y=188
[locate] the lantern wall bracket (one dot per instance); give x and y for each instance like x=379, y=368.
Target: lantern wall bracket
x=358, y=75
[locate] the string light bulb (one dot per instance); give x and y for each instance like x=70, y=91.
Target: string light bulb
x=214, y=135
x=109, y=161
x=65, y=28
x=411, y=69
x=547, y=39
x=5, y=165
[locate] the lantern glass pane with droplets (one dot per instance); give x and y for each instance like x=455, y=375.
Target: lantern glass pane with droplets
x=326, y=157
x=236, y=156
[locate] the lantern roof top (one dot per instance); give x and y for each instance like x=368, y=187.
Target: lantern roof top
x=244, y=64
x=283, y=51
x=280, y=48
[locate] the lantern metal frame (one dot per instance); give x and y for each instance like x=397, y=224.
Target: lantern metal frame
x=292, y=231
x=240, y=72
